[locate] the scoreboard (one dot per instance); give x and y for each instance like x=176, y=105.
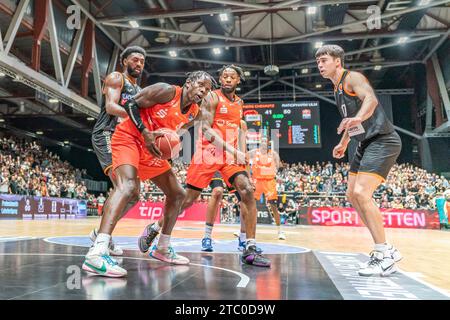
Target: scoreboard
x=293, y=124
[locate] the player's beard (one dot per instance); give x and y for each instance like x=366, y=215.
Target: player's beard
x=133, y=73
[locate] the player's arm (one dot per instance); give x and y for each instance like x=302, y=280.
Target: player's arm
x=359, y=84
x=243, y=136
x=243, y=143
x=276, y=157
x=147, y=98
x=112, y=89
x=209, y=105
x=345, y=138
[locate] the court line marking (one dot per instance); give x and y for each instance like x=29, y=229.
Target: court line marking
x=244, y=280
x=305, y=250
x=8, y=239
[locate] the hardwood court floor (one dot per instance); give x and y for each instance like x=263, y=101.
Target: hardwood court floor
x=426, y=252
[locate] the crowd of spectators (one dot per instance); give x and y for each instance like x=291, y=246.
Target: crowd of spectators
x=29, y=169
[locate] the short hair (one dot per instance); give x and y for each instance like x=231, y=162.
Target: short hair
x=129, y=50
x=236, y=68
x=332, y=50
x=199, y=74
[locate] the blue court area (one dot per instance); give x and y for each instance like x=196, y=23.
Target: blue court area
x=181, y=245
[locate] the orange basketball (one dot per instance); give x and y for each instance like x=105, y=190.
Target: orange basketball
x=169, y=144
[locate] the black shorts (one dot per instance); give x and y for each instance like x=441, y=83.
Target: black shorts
x=377, y=155
x=101, y=143
x=217, y=181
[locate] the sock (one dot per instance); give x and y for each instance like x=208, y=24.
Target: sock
x=243, y=236
x=382, y=247
x=208, y=230
x=155, y=226
x=101, y=244
x=279, y=228
x=164, y=241
x=250, y=242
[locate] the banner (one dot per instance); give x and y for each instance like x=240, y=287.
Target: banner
x=30, y=207
x=263, y=214
x=392, y=218
x=154, y=211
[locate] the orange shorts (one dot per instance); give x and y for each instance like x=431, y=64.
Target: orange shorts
x=266, y=186
x=128, y=149
x=200, y=172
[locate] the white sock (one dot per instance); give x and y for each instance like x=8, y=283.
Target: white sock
x=208, y=230
x=250, y=242
x=164, y=241
x=101, y=244
x=243, y=236
x=382, y=247
x=156, y=226
x=279, y=229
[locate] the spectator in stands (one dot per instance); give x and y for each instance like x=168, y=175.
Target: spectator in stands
x=397, y=204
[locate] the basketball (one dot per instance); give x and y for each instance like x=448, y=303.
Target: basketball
x=168, y=143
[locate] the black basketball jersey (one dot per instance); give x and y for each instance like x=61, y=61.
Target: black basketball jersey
x=108, y=122
x=349, y=105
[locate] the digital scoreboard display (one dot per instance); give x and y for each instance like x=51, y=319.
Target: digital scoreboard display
x=295, y=124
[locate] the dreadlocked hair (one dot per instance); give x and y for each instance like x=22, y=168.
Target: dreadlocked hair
x=238, y=69
x=197, y=75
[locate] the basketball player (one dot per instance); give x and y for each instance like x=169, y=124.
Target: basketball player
x=217, y=150
x=119, y=87
x=217, y=190
x=265, y=163
x=379, y=146
x=136, y=158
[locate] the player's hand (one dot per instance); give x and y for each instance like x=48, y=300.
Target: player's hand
x=339, y=151
x=347, y=123
x=253, y=184
x=149, y=140
x=241, y=158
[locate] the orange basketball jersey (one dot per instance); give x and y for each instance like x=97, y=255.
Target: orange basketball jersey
x=227, y=119
x=263, y=165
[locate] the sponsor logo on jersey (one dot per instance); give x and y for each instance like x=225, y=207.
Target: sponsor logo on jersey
x=221, y=122
x=223, y=109
x=162, y=113
x=126, y=96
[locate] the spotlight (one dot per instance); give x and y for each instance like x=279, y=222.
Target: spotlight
x=134, y=24
x=318, y=44
x=223, y=17
x=311, y=10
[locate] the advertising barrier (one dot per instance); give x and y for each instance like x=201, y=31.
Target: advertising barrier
x=392, y=218
x=30, y=207
x=154, y=211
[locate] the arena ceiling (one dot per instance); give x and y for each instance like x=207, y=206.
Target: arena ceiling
x=185, y=35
